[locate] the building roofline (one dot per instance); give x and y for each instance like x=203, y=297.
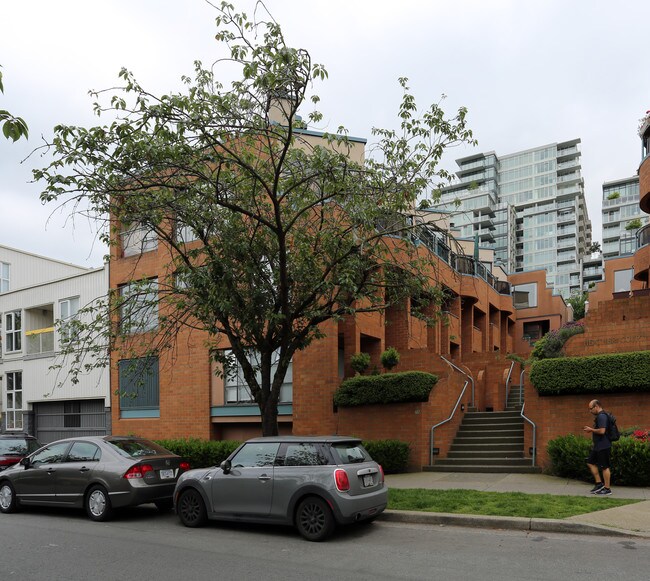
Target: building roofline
x=621, y=181
x=53, y=281
x=26, y=252
x=321, y=134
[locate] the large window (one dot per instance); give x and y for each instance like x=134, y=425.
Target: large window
x=236, y=388
x=139, y=307
x=623, y=280
x=13, y=332
x=138, y=239
x=14, y=413
x=68, y=309
x=4, y=277
x=524, y=295
x=139, y=384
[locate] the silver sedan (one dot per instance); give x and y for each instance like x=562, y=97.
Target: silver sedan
x=95, y=473
x=310, y=482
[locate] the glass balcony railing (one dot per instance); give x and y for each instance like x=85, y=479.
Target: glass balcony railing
x=40, y=341
x=643, y=236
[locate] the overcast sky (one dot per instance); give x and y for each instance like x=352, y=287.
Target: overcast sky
x=530, y=73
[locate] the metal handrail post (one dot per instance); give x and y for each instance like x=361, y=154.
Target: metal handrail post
x=512, y=366
x=521, y=385
x=531, y=422
x=444, y=422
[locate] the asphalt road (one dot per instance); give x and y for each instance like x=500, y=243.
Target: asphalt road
x=143, y=544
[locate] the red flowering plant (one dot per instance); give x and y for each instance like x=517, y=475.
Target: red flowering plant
x=642, y=435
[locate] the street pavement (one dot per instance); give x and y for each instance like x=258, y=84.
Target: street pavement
x=632, y=520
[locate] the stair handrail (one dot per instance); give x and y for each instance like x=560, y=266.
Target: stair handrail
x=531, y=422
x=444, y=422
x=521, y=384
x=471, y=379
x=512, y=366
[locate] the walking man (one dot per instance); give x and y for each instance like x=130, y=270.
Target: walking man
x=598, y=460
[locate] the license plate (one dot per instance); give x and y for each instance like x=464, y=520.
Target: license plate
x=367, y=480
x=164, y=474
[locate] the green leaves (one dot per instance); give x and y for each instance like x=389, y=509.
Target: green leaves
x=12, y=127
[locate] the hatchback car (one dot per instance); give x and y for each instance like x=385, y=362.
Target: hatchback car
x=14, y=447
x=95, y=473
x=309, y=482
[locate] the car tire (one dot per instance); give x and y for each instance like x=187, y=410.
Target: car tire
x=98, y=504
x=8, y=501
x=314, y=519
x=164, y=505
x=191, y=508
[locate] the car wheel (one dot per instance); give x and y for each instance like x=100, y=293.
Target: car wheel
x=8, y=502
x=314, y=519
x=191, y=508
x=98, y=504
x=164, y=505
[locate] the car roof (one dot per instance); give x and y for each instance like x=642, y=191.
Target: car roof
x=316, y=439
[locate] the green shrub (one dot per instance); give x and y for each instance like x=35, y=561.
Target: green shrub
x=552, y=344
x=630, y=459
x=201, y=453
x=389, y=358
x=568, y=456
x=609, y=373
x=410, y=386
x=360, y=362
x=393, y=455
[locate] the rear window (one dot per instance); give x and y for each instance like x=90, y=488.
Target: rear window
x=350, y=453
x=137, y=448
x=17, y=446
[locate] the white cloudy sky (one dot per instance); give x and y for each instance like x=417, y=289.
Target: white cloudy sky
x=529, y=72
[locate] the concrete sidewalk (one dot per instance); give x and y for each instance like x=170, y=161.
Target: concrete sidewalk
x=631, y=520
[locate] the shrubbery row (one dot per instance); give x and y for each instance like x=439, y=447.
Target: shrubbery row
x=411, y=386
x=393, y=455
x=610, y=373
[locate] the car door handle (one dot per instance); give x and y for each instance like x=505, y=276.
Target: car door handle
x=84, y=469
x=264, y=477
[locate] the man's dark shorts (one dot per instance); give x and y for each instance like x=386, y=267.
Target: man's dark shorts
x=599, y=458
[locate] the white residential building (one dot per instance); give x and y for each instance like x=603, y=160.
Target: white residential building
x=36, y=293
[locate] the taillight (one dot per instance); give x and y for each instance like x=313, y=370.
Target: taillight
x=184, y=466
x=381, y=471
x=342, y=480
x=138, y=471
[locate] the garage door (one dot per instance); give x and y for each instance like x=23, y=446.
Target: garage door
x=65, y=419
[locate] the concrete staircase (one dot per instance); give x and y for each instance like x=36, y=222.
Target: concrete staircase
x=489, y=442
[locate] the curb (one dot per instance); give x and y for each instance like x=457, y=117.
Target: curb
x=504, y=522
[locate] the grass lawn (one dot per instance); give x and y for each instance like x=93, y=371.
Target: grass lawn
x=498, y=503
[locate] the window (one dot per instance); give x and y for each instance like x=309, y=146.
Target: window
x=139, y=307
x=185, y=233
x=253, y=455
x=4, y=277
x=68, y=309
x=52, y=454
x=13, y=331
x=623, y=280
x=14, y=413
x=84, y=452
x=350, y=453
x=524, y=295
x=237, y=390
x=302, y=455
x=138, y=383
x=138, y=239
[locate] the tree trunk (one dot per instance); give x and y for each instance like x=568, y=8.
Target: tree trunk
x=269, y=413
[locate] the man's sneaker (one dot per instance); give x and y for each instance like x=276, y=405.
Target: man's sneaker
x=603, y=492
x=596, y=488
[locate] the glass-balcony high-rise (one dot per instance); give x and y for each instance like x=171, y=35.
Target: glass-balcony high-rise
x=529, y=207
x=622, y=217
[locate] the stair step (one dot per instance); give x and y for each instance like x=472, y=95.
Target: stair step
x=483, y=461
x=478, y=445
x=489, y=440
x=485, y=469
x=491, y=427
x=486, y=455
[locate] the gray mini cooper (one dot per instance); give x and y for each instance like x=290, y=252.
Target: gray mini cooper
x=313, y=483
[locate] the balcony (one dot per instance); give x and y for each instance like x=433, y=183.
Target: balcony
x=40, y=341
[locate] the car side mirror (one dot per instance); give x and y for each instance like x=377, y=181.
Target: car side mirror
x=26, y=462
x=225, y=466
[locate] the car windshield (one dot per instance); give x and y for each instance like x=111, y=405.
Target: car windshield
x=17, y=446
x=350, y=453
x=136, y=448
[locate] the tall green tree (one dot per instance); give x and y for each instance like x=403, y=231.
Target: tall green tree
x=292, y=232
x=578, y=302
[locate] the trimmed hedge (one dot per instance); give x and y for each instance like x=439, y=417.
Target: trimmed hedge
x=410, y=386
x=630, y=459
x=393, y=455
x=610, y=373
x=201, y=453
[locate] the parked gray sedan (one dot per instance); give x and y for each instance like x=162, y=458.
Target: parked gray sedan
x=96, y=473
x=310, y=482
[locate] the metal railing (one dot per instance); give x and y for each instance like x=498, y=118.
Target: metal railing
x=534, y=454
x=431, y=440
x=469, y=377
x=643, y=236
x=512, y=366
